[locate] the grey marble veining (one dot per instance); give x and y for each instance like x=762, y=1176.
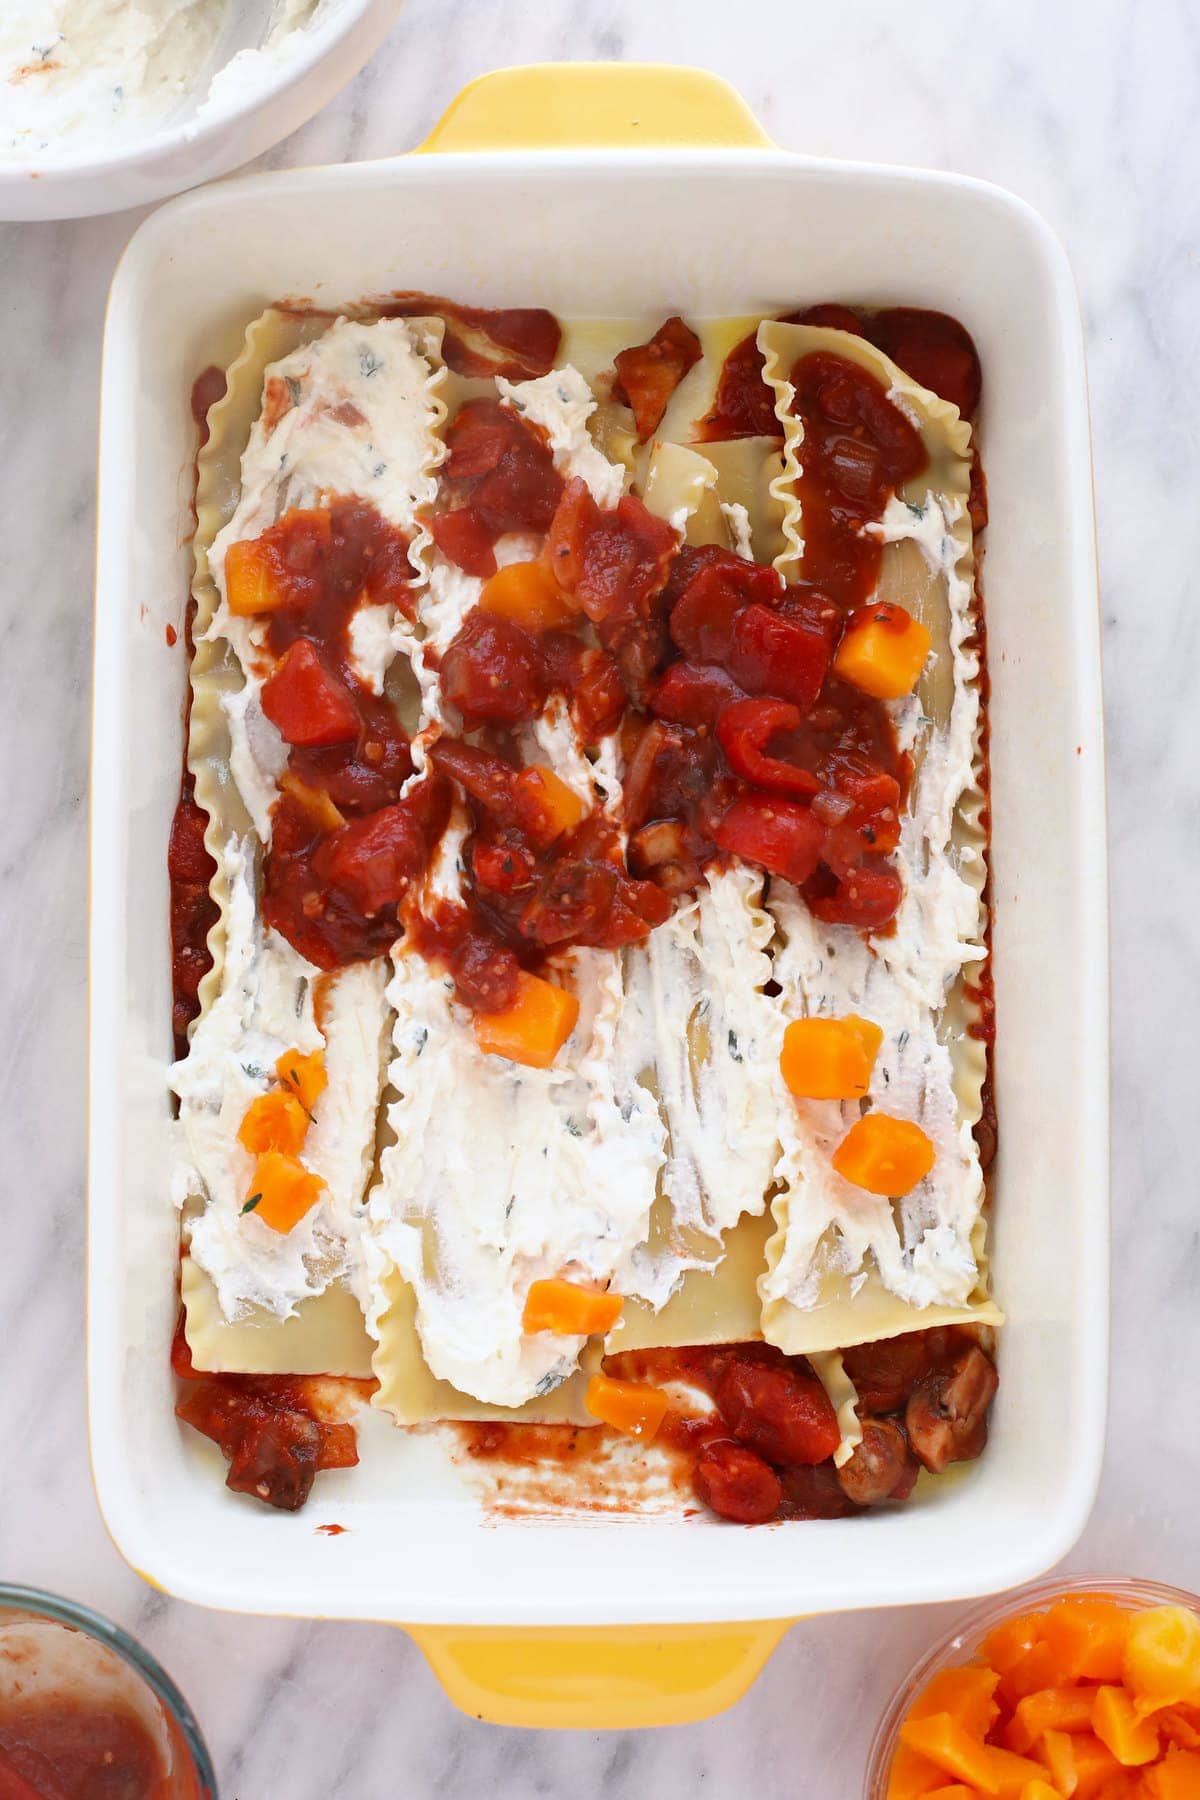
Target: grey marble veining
x=1088, y=110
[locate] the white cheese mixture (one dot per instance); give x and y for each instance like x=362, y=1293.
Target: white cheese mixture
x=272, y=1000
x=82, y=75
x=922, y=1243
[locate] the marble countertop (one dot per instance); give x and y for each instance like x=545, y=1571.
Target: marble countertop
x=1088, y=110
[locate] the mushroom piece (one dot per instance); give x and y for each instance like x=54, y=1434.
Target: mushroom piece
x=878, y=1465
x=946, y=1415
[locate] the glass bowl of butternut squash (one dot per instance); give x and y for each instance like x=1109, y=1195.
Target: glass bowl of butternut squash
x=1084, y=1689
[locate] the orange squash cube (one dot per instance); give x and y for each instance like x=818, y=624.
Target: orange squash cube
x=1094, y=1765
x=1057, y=1751
x=546, y=805
x=304, y=1076
x=965, y=1693
x=252, y=583
x=274, y=1121
x=884, y=1155
x=1180, y=1725
x=534, y=1028
x=1028, y=1674
x=883, y=651
x=569, y=1308
x=1008, y=1642
x=633, y=1407
x=1048, y=1709
x=1133, y=1741
x=941, y=1740
x=1162, y=1655
x=829, y=1059
x=1087, y=1634
x=528, y=594
x=913, y=1777
x=282, y=1191
x=1037, y=1789
x=1011, y=1773
x=956, y=1791
x=1177, y=1777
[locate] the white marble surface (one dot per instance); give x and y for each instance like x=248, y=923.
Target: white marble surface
x=1087, y=108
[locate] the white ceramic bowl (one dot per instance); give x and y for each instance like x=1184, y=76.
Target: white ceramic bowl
x=613, y=231
x=203, y=142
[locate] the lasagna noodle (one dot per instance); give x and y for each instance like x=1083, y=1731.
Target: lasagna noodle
x=228, y=1326
x=840, y=1261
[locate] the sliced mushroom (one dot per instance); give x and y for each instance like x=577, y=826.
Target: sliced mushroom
x=946, y=1415
x=878, y=1465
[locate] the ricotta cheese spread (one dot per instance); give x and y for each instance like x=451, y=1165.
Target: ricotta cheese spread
x=81, y=75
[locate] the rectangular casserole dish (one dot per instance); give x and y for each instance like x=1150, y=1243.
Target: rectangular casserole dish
x=676, y=201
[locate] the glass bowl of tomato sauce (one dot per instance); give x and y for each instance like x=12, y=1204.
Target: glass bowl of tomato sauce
x=86, y=1713
x=1028, y=1670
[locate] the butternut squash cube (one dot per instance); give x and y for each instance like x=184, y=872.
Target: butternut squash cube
x=941, y=1740
x=275, y=1121
x=1094, y=1765
x=1133, y=1741
x=1177, y=1777
x=633, y=1407
x=1049, y=1709
x=1037, y=1789
x=913, y=1777
x=534, y=1028
x=1057, y=1751
x=883, y=651
x=884, y=1155
x=1162, y=1655
x=282, y=1191
x=528, y=594
x=547, y=806
x=252, y=583
x=829, y=1059
x=1011, y=1774
x=304, y=1075
x=965, y=1693
x=569, y=1308
x=1087, y=1634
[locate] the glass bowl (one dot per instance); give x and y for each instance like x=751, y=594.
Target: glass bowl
x=960, y=1645
x=66, y=1663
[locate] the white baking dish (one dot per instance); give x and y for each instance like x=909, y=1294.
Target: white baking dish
x=615, y=230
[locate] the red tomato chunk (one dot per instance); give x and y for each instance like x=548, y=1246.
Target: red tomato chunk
x=779, y=1410
x=306, y=703
x=736, y=1483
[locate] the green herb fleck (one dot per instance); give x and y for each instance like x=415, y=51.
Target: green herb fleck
x=251, y=1203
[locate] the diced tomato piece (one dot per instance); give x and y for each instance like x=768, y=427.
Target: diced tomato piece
x=745, y=403
x=702, y=619
x=746, y=728
x=486, y=974
x=868, y=897
x=781, y=1410
x=693, y=694
x=614, y=561
x=517, y=486
x=771, y=653
x=648, y=374
x=572, y=902
x=463, y=536
x=736, y=1483
x=599, y=696
x=374, y=859
x=777, y=834
x=306, y=702
x=492, y=672
x=475, y=442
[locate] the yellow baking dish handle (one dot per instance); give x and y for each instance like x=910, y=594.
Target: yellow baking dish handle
x=610, y=106
x=597, y=1678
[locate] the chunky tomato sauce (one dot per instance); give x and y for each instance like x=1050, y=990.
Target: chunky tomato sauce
x=751, y=1433
x=930, y=346
x=518, y=342
x=737, y=739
